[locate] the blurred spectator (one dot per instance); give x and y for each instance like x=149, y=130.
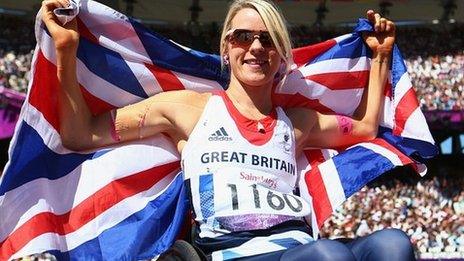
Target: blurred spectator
x=15, y=70
x=38, y=257
x=16, y=45
x=434, y=54
x=429, y=211
x=430, y=40
x=438, y=81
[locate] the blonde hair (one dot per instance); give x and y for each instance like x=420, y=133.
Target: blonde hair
x=274, y=22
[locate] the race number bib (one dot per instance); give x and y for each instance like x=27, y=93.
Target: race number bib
x=237, y=204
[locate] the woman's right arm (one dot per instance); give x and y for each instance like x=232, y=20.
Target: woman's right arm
x=76, y=121
x=79, y=129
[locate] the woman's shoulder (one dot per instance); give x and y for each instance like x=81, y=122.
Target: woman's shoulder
x=186, y=97
x=182, y=109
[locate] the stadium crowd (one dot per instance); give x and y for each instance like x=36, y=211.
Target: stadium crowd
x=430, y=211
x=14, y=70
x=16, y=47
x=439, y=81
x=434, y=57
x=434, y=54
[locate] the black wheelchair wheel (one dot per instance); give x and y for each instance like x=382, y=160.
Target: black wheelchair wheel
x=180, y=251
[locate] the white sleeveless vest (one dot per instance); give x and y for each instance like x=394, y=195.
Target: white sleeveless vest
x=236, y=185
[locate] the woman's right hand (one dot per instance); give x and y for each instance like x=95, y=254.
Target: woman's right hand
x=65, y=37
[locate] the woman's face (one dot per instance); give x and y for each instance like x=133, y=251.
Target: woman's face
x=253, y=64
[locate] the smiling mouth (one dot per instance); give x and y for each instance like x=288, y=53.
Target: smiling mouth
x=255, y=62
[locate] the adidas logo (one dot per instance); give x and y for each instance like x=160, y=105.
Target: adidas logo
x=220, y=135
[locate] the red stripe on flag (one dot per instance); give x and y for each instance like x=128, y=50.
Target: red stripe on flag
x=96, y=105
x=314, y=156
x=45, y=90
x=304, y=55
x=381, y=142
x=341, y=80
x=86, y=211
x=85, y=32
x=298, y=100
x=167, y=80
x=407, y=105
x=388, y=90
x=321, y=202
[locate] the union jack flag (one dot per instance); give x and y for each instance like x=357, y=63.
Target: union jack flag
x=128, y=201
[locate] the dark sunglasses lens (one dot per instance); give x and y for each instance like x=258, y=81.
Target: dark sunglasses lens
x=265, y=39
x=245, y=37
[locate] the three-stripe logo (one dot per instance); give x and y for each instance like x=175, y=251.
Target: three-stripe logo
x=220, y=135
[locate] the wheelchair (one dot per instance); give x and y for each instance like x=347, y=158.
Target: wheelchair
x=182, y=250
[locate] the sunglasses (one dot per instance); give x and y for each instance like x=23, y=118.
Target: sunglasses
x=245, y=37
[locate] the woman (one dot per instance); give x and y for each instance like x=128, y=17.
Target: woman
x=238, y=150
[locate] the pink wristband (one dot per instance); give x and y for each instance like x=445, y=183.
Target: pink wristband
x=345, y=124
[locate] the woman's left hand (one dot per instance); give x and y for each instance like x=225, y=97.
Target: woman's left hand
x=383, y=37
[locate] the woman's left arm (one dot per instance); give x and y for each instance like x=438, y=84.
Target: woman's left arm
x=329, y=131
